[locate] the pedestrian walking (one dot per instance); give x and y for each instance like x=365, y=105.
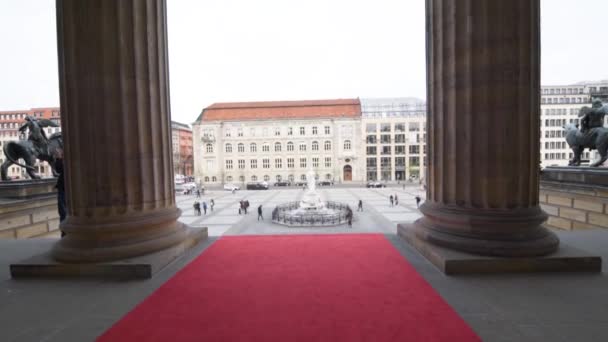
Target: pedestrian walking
x=392, y=200
x=205, y=207
x=417, y=201
x=197, y=208
x=212, y=204
x=360, y=206
x=246, y=206
x=349, y=218
x=198, y=193
x=241, y=207
x=260, y=213
x=396, y=200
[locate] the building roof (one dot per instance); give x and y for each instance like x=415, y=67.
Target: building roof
x=229, y=111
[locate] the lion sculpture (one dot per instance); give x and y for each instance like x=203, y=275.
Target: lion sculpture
x=594, y=138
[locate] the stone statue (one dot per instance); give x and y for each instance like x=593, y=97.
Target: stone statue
x=594, y=138
x=312, y=182
x=37, y=146
x=592, y=117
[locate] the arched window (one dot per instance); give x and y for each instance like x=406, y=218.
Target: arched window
x=229, y=178
x=290, y=146
x=241, y=147
x=278, y=178
x=291, y=178
x=253, y=147
x=266, y=178
x=241, y=178
x=228, y=148
x=209, y=148
x=328, y=176
x=303, y=177
x=315, y=146
x=214, y=179
x=265, y=148
x=347, y=145
x=277, y=147
x=327, y=145
x=206, y=179
x=254, y=178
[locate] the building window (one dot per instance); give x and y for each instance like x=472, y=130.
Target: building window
x=414, y=161
x=371, y=139
x=278, y=178
x=266, y=163
x=327, y=130
x=265, y=148
x=254, y=178
x=315, y=162
x=291, y=178
x=400, y=149
x=253, y=163
x=289, y=130
x=303, y=162
x=399, y=127
x=241, y=178
x=347, y=145
x=290, y=163
x=315, y=146
x=372, y=162
x=385, y=139
x=214, y=179
x=372, y=150
x=327, y=161
x=228, y=148
x=414, y=149
x=266, y=178
x=290, y=146
x=239, y=132
x=241, y=147
x=385, y=127
x=303, y=177
x=209, y=148
x=229, y=164
x=206, y=179
x=400, y=138
x=277, y=131
x=253, y=147
x=327, y=145
x=302, y=131
x=371, y=127
x=241, y=163
x=314, y=130
x=229, y=178
x=278, y=163
x=227, y=132
x=302, y=147
x=386, y=150
x=277, y=147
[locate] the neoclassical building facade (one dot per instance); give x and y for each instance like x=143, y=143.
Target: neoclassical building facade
x=282, y=140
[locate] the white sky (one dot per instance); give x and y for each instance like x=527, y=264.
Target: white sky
x=254, y=50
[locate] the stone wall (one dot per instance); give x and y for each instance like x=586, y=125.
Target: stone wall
x=574, y=198
x=21, y=219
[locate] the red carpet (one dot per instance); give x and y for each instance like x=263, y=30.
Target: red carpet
x=294, y=288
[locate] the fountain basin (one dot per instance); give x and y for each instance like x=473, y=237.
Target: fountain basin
x=304, y=214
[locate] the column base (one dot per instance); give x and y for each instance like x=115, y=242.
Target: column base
x=141, y=267
x=453, y=262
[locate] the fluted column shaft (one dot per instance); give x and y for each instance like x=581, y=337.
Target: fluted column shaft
x=483, y=70
x=114, y=89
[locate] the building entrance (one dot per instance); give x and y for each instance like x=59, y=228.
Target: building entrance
x=348, y=173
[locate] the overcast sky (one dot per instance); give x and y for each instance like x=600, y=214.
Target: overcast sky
x=254, y=50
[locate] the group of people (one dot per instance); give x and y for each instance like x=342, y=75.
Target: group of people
x=244, y=205
x=197, y=207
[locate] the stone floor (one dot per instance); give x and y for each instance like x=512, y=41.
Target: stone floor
x=513, y=307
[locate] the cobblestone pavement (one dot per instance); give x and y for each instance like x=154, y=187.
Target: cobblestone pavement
x=378, y=216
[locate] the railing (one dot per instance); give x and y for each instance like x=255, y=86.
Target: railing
x=281, y=214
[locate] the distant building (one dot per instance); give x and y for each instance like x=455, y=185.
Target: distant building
x=11, y=120
x=560, y=105
x=183, y=163
x=394, y=138
x=281, y=140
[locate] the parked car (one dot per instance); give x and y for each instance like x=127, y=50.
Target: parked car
x=282, y=183
x=300, y=183
x=376, y=185
x=231, y=187
x=179, y=189
x=257, y=186
x=325, y=183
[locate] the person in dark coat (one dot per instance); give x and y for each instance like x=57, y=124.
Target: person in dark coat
x=205, y=207
x=260, y=213
x=61, y=202
x=417, y=201
x=360, y=206
x=391, y=200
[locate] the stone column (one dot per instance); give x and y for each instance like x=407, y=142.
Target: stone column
x=114, y=86
x=483, y=72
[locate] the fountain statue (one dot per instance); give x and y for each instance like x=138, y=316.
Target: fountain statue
x=311, y=199
x=311, y=211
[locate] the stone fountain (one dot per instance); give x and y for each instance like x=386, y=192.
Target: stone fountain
x=311, y=210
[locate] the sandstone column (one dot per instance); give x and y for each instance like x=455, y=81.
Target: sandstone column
x=114, y=86
x=483, y=70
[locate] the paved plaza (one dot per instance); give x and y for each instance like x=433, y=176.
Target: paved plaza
x=378, y=216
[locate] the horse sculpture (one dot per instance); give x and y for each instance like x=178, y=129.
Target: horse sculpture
x=593, y=138
x=37, y=146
